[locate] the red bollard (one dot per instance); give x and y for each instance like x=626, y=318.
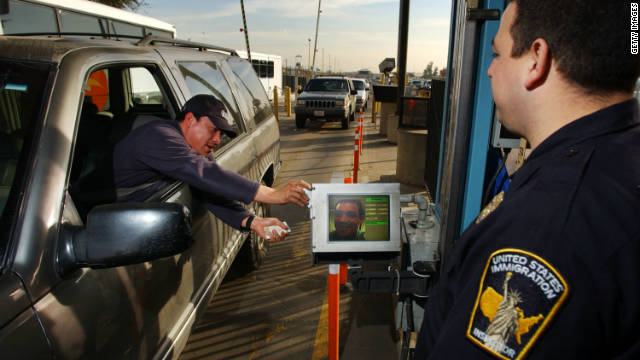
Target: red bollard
x=334, y=311
x=356, y=156
x=343, y=273
x=361, y=126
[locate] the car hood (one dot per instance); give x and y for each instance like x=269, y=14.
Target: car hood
x=325, y=95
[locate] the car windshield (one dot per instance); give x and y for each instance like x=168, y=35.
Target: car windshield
x=22, y=86
x=337, y=85
x=358, y=84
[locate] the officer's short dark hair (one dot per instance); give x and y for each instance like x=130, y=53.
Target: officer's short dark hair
x=353, y=201
x=590, y=40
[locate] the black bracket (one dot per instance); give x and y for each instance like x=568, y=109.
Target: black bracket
x=393, y=281
x=483, y=14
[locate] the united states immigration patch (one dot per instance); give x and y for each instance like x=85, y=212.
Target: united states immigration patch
x=519, y=294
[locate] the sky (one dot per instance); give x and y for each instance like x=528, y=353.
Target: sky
x=353, y=34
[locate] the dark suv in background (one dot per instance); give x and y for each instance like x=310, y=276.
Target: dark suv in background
x=331, y=98
x=80, y=275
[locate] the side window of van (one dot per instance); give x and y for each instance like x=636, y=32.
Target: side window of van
x=251, y=90
x=28, y=18
x=206, y=78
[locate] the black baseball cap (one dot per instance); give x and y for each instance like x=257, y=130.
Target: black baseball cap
x=208, y=105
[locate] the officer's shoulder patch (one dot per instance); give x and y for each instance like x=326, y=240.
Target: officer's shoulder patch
x=518, y=295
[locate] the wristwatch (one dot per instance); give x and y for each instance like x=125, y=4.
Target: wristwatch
x=247, y=226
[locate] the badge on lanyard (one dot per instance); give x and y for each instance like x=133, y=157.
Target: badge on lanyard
x=519, y=293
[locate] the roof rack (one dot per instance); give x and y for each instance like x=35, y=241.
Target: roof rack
x=61, y=33
x=146, y=40
x=150, y=39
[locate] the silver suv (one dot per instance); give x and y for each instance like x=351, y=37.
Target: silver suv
x=82, y=276
x=362, y=98
x=331, y=98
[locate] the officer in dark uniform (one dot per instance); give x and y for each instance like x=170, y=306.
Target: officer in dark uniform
x=551, y=268
x=159, y=152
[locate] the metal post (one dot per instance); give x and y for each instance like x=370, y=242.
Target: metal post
x=315, y=43
x=361, y=126
x=458, y=124
x=334, y=310
x=356, y=155
x=287, y=100
x=246, y=33
x=295, y=81
x=275, y=102
x=403, y=36
x=309, y=59
x=373, y=108
x=344, y=268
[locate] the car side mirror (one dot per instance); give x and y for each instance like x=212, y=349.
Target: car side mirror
x=124, y=234
x=299, y=91
x=354, y=92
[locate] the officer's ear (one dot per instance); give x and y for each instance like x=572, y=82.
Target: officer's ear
x=538, y=64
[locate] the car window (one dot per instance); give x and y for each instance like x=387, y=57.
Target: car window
x=337, y=85
x=206, y=78
x=358, y=84
x=121, y=28
x=27, y=18
x=250, y=88
x=74, y=22
x=116, y=100
x=144, y=87
x=22, y=89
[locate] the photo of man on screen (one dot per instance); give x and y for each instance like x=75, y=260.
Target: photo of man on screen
x=348, y=217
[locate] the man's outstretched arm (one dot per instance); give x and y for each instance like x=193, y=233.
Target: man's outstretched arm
x=292, y=192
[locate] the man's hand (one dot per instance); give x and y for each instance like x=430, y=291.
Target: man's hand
x=292, y=192
x=259, y=224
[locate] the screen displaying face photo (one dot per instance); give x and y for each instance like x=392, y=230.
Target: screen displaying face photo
x=359, y=217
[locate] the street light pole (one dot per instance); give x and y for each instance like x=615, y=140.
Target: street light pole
x=315, y=43
x=295, y=82
x=309, y=59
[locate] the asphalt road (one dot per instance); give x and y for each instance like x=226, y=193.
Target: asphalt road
x=280, y=310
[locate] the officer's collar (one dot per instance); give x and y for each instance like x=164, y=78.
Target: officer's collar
x=567, y=139
x=611, y=119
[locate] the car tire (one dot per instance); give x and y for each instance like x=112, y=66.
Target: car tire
x=345, y=121
x=300, y=122
x=255, y=248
